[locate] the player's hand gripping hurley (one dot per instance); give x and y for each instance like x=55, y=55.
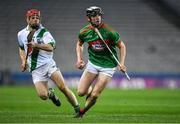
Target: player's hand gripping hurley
x=29, y=38
x=100, y=36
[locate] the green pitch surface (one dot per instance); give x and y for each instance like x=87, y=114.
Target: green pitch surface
x=21, y=105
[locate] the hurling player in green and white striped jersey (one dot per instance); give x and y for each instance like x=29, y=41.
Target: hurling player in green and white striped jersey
x=40, y=60
x=101, y=65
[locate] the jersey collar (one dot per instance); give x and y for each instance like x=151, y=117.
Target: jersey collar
x=28, y=28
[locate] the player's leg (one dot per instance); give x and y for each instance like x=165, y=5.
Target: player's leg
x=102, y=80
x=42, y=89
x=84, y=86
x=58, y=79
x=101, y=83
x=44, y=93
x=89, y=92
x=40, y=80
x=88, y=76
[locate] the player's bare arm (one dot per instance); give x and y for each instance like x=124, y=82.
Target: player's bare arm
x=122, y=55
x=23, y=59
x=46, y=47
x=80, y=64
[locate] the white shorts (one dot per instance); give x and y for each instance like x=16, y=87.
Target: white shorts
x=44, y=72
x=96, y=69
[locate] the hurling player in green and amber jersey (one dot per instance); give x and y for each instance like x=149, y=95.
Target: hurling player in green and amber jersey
x=101, y=65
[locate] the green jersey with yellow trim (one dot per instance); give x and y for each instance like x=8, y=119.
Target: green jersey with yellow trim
x=36, y=57
x=98, y=52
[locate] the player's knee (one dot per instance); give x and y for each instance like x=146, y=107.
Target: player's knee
x=81, y=92
x=43, y=96
x=94, y=95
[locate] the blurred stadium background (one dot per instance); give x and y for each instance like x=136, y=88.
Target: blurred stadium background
x=150, y=30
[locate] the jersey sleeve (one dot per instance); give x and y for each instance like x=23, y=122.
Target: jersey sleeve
x=48, y=39
x=80, y=37
x=115, y=36
x=21, y=45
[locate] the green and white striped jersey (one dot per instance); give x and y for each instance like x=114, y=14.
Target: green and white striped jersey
x=98, y=53
x=36, y=57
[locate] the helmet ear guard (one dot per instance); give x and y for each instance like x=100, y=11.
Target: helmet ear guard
x=93, y=11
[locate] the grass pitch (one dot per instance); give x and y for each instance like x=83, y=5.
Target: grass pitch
x=22, y=105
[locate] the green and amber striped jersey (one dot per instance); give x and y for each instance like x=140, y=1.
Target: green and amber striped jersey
x=36, y=57
x=98, y=53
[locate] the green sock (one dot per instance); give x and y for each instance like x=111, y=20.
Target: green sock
x=77, y=108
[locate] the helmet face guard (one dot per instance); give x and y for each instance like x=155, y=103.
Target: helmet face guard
x=93, y=11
